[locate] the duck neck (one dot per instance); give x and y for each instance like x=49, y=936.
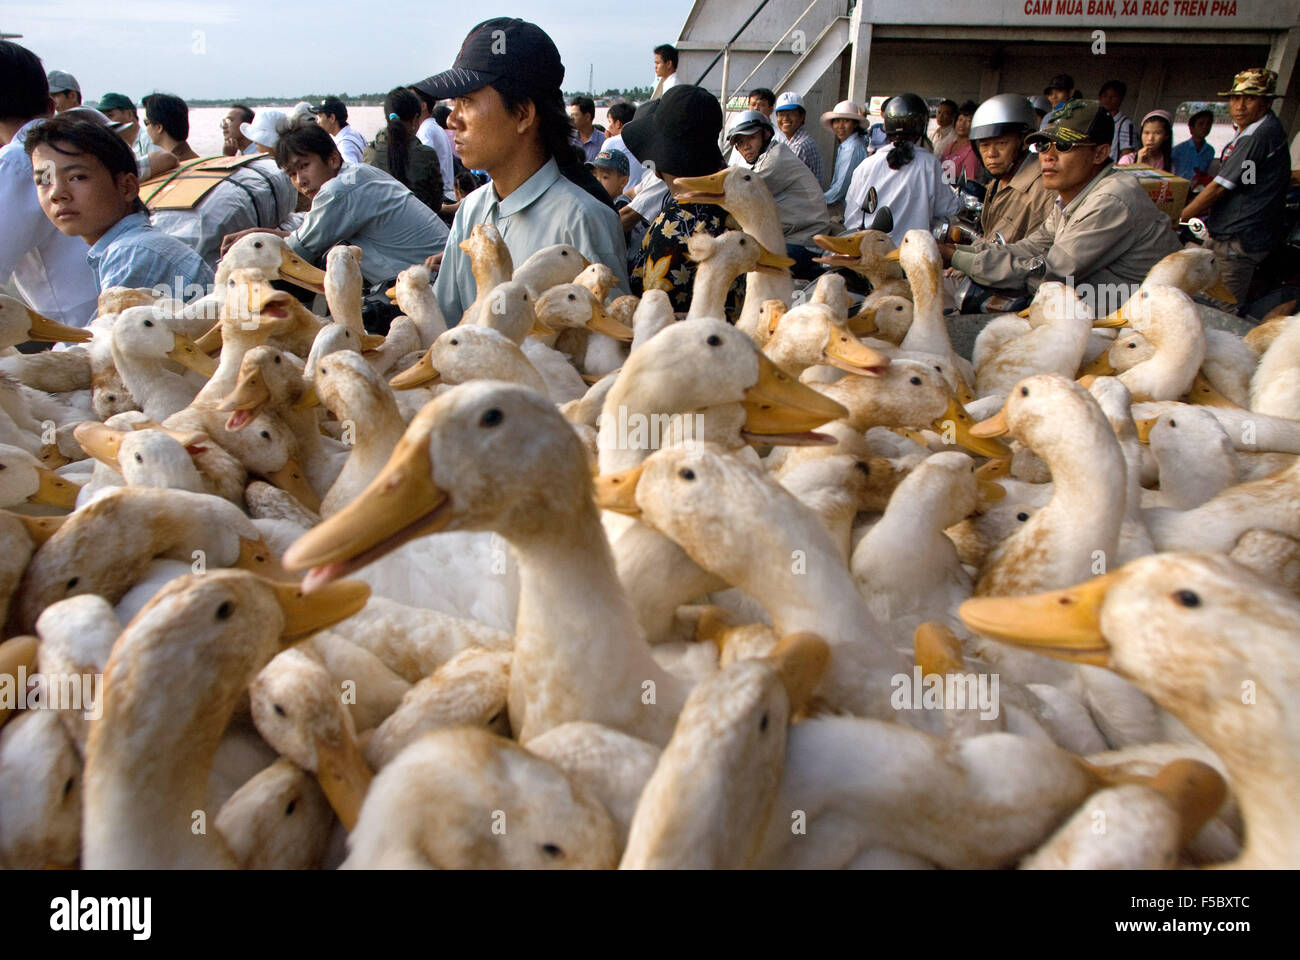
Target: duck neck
x=1088, y=481
x=579, y=654
x=1168, y=373
x=149, y=381
x=233, y=348
x=762, y=285
x=709, y=292
x=929, y=332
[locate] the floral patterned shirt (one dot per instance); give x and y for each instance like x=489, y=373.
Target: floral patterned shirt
x=662, y=262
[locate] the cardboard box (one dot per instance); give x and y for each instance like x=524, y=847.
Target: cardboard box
x=1168, y=192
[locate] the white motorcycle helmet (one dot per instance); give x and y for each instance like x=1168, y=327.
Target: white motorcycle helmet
x=1003, y=114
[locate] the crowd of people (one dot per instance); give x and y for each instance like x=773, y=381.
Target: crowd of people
x=492, y=140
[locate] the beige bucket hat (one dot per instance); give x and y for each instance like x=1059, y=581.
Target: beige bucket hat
x=844, y=110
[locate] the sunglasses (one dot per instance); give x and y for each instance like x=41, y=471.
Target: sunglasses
x=1042, y=146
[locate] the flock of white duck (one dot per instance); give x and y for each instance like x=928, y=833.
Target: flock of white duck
x=592, y=586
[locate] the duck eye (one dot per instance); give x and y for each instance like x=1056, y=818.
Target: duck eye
x=1187, y=598
x=1022, y=516
x=3, y=466
x=551, y=850
x=686, y=473
x=277, y=359
x=1132, y=346
x=762, y=724
x=257, y=245
x=714, y=340
x=279, y=709
x=73, y=582
x=139, y=459
x=747, y=178
x=225, y=610
x=148, y=323
x=1173, y=423
x=564, y=253
x=266, y=435
x=863, y=467
x=288, y=811
x=455, y=343
x=915, y=381
x=572, y=297
x=1024, y=391
x=67, y=786
x=491, y=418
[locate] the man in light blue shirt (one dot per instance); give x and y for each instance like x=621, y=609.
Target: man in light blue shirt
x=509, y=120
x=352, y=203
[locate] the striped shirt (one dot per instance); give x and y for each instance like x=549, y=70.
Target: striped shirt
x=1124, y=138
x=805, y=148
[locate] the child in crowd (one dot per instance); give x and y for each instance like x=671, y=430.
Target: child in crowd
x=1192, y=158
x=1157, y=137
x=87, y=185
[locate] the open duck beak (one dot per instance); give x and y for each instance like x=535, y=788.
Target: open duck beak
x=292, y=479
x=975, y=437
x=1065, y=624
x=15, y=653
x=780, y=409
x=248, y=397
x=295, y=269
x=850, y=354
x=54, y=490
x=1144, y=428
x=1100, y=366
x=421, y=373
x=769, y=262
x=893, y=256
x=800, y=659
x=391, y=293
x=304, y=615
x=863, y=323
x=343, y=775
x=843, y=250
x=400, y=504
x=617, y=491
x=44, y=330
x=602, y=322
x=192, y=355
x=1203, y=393
x=710, y=189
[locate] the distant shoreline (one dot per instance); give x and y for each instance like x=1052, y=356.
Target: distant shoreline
x=633, y=95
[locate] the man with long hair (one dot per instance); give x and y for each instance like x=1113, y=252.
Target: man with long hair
x=509, y=119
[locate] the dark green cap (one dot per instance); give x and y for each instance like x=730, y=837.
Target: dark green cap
x=1076, y=121
x=115, y=101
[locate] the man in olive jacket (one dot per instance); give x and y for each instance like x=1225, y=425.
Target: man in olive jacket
x=1102, y=229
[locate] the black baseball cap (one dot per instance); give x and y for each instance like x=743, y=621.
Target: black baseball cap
x=496, y=49
x=1062, y=81
x=331, y=105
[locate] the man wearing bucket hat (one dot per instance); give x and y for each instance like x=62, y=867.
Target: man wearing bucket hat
x=846, y=122
x=509, y=119
x=1103, y=228
x=798, y=195
x=789, y=116
x=1244, y=203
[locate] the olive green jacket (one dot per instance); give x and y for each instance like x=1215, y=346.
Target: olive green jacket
x=423, y=172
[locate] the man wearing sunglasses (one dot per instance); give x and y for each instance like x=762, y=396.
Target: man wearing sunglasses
x=1102, y=229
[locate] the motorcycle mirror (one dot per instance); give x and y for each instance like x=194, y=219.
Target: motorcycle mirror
x=883, y=220
x=872, y=201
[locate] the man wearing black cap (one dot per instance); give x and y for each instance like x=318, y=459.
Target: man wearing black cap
x=509, y=120
x=677, y=136
x=1102, y=229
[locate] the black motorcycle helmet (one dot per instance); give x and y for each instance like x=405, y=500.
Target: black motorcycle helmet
x=906, y=117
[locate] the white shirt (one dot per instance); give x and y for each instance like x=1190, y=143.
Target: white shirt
x=650, y=195
x=915, y=194
x=432, y=135
x=350, y=143
x=664, y=85
x=634, y=169
x=49, y=267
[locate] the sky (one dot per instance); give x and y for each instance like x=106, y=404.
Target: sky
x=288, y=48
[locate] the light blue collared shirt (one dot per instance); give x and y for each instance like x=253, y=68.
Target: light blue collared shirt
x=134, y=254
x=545, y=209
x=366, y=207
x=848, y=155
